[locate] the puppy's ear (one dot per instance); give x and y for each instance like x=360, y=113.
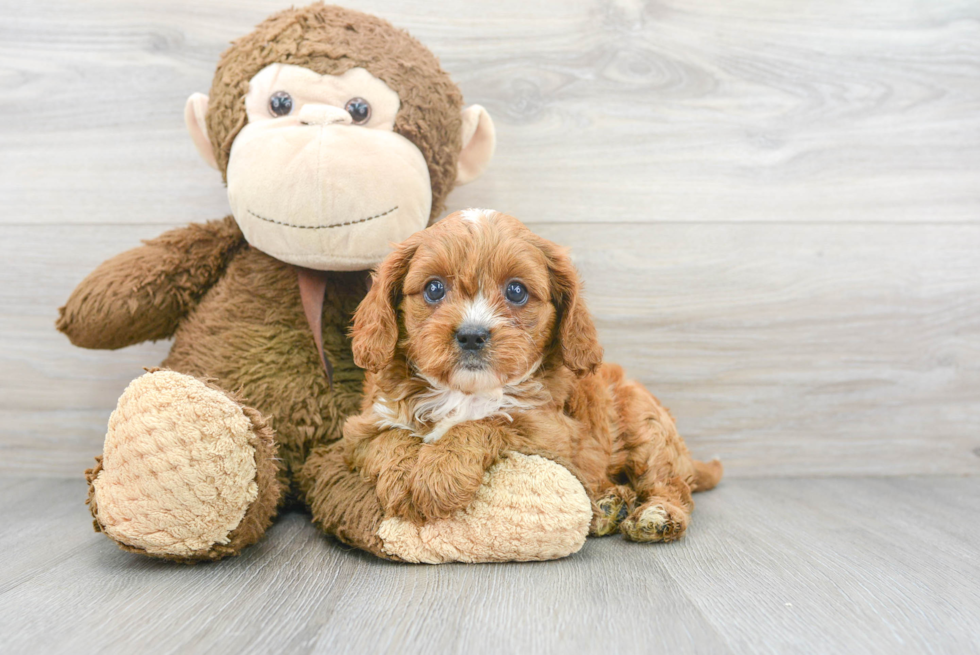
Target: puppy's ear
x=576, y=332
x=375, y=332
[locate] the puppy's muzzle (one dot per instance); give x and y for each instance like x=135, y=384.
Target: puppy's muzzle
x=472, y=339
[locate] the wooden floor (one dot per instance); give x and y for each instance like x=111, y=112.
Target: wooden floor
x=837, y=565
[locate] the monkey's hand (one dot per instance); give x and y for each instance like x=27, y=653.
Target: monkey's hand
x=141, y=294
x=450, y=470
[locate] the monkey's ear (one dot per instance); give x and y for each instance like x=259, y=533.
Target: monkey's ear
x=479, y=141
x=195, y=112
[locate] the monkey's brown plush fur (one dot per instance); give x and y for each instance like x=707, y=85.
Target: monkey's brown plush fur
x=236, y=318
x=235, y=313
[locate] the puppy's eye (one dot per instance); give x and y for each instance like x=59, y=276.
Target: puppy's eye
x=516, y=292
x=434, y=291
x=280, y=103
x=359, y=110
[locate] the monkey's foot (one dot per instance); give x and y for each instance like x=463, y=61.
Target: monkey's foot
x=610, y=510
x=656, y=520
x=187, y=473
x=528, y=508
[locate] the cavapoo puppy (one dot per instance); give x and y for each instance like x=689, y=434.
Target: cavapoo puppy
x=477, y=342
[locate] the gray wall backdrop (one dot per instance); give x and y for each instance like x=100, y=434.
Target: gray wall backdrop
x=775, y=205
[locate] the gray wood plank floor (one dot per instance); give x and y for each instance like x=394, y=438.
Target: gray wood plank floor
x=855, y=565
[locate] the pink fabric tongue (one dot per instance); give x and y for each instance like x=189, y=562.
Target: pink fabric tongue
x=312, y=288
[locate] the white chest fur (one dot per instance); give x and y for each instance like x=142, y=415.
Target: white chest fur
x=443, y=408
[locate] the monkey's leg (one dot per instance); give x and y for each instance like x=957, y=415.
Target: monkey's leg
x=528, y=508
x=187, y=472
x=343, y=502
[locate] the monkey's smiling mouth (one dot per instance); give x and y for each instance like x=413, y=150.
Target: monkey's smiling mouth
x=322, y=227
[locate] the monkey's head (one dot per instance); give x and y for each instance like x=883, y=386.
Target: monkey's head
x=336, y=134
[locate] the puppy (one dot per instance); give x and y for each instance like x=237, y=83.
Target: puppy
x=477, y=342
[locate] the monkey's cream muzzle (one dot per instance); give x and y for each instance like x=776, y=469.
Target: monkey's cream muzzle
x=317, y=177
x=312, y=185
x=290, y=186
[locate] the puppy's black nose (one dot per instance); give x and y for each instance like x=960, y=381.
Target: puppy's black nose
x=472, y=338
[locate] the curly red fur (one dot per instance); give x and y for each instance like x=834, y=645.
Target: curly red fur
x=435, y=418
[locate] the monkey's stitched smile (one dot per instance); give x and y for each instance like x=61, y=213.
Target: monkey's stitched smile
x=322, y=227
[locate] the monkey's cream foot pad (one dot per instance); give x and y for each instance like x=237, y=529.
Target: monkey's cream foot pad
x=178, y=471
x=527, y=509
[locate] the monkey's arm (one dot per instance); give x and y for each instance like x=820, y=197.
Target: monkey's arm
x=141, y=294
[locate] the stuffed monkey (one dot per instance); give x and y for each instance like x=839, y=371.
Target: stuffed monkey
x=336, y=134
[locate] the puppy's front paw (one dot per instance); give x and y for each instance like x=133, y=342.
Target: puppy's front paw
x=394, y=490
x=438, y=494
x=655, y=520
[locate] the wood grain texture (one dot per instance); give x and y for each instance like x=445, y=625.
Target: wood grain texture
x=784, y=349
x=607, y=110
x=768, y=566
x=774, y=205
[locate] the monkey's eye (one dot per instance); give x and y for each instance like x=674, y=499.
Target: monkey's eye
x=434, y=291
x=359, y=110
x=516, y=292
x=280, y=103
